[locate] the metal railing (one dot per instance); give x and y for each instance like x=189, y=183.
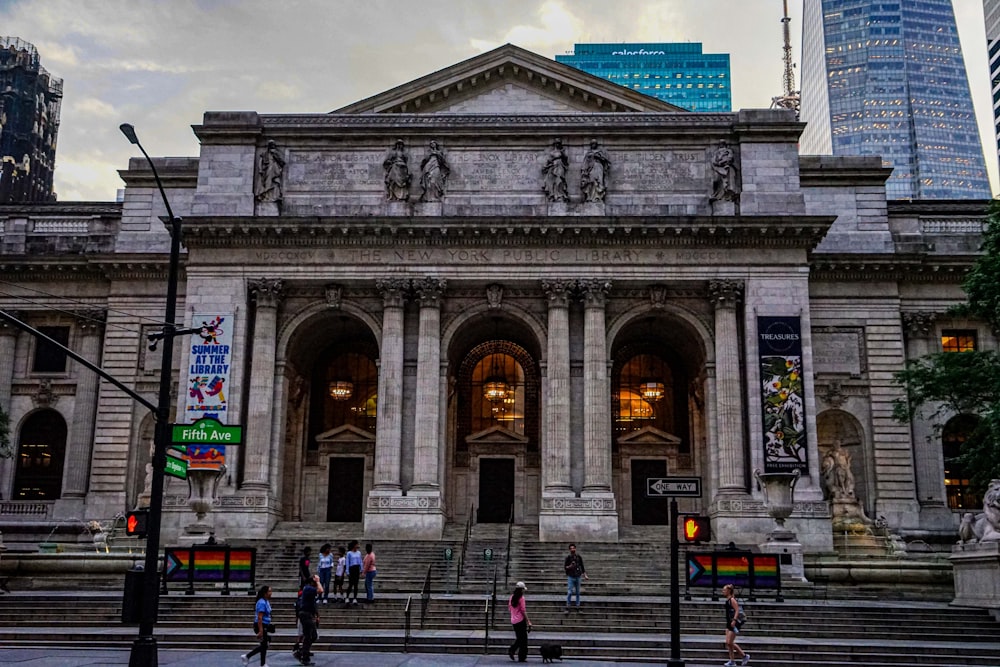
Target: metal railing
x=406, y=624
x=493, y=597
x=465, y=547
x=425, y=597
x=486, y=626
x=510, y=533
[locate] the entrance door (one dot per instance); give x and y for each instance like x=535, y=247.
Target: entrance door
x=496, y=490
x=648, y=511
x=345, y=495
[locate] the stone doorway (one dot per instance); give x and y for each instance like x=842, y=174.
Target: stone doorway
x=345, y=499
x=647, y=511
x=496, y=490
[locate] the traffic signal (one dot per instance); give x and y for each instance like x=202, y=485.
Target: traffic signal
x=696, y=528
x=136, y=522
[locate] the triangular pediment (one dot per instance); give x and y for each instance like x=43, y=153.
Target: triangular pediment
x=649, y=435
x=346, y=433
x=495, y=435
x=508, y=79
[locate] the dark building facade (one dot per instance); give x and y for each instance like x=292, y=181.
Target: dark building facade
x=30, y=99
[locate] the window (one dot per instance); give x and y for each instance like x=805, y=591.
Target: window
x=498, y=393
x=40, y=452
x=958, y=341
x=956, y=477
x=48, y=357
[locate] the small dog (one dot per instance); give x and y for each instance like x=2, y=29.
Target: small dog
x=550, y=652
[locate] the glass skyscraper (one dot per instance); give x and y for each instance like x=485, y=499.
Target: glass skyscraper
x=991, y=12
x=888, y=78
x=676, y=73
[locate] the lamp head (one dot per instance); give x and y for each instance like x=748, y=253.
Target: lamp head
x=129, y=133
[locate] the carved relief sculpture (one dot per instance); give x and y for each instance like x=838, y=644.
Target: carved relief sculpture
x=494, y=296
x=838, y=480
x=397, y=173
x=984, y=527
x=554, y=173
x=725, y=186
x=270, y=174
x=434, y=171
x=594, y=174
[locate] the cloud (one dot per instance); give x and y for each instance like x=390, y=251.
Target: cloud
x=557, y=27
x=94, y=107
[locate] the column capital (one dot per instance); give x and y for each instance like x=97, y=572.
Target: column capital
x=266, y=291
x=393, y=291
x=725, y=293
x=429, y=291
x=91, y=321
x=919, y=323
x=558, y=292
x=594, y=292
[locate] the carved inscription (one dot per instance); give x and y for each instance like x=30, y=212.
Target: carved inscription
x=837, y=352
x=493, y=171
x=457, y=256
x=352, y=170
x=657, y=171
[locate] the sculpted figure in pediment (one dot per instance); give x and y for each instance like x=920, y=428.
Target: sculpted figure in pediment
x=270, y=174
x=397, y=173
x=594, y=174
x=554, y=173
x=434, y=171
x=725, y=186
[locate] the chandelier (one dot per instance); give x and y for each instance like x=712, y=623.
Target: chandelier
x=341, y=390
x=651, y=390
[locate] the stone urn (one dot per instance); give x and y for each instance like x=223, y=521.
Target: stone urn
x=202, y=484
x=779, y=494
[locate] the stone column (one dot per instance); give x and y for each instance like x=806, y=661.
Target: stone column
x=555, y=446
x=260, y=407
x=596, y=399
x=80, y=443
x=726, y=296
x=427, y=439
x=8, y=351
x=927, y=453
x=389, y=419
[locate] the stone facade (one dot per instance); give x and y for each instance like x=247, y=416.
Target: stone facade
x=506, y=354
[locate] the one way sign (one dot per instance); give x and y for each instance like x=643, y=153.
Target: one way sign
x=663, y=487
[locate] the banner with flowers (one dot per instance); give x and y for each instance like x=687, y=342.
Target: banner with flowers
x=782, y=396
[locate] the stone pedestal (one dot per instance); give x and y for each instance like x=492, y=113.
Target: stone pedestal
x=415, y=516
x=267, y=208
x=591, y=518
x=792, y=548
x=976, y=570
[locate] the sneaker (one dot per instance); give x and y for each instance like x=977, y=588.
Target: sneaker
x=244, y=659
x=729, y=663
x=566, y=611
x=746, y=659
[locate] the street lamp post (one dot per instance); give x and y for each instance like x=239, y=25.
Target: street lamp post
x=144, y=650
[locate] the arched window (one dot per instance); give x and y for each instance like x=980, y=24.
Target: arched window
x=648, y=391
x=498, y=393
x=956, y=477
x=40, y=452
x=344, y=389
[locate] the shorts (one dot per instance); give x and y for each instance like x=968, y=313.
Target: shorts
x=338, y=581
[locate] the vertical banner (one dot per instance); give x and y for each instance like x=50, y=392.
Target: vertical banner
x=782, y=400
x=208, y=368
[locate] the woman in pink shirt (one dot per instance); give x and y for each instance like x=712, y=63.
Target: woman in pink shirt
x=368, y=567
x=519, y=619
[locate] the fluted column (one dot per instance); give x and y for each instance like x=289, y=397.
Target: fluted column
x=555, y=448
x=80, y=443
x=596, y=399
x=389, y=420
x=260, y=407
x=427, y=441
x=8, y=349
x=726, y=296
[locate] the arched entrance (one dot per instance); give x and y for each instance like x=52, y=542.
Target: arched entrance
x=657, y=411
x=41, y=451
x=840, y=426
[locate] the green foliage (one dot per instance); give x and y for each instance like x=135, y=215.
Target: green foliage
x=6, y=451
x=952, y=383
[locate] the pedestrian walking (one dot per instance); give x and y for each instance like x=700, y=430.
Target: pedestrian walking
x=353, y=561
x=733, y=628
x=304, y=562
x=325, y=570
x=309, y=617
x=368, y=567
x=338, y=575
x=574, y=572
x=519, y=620
x=262, y=626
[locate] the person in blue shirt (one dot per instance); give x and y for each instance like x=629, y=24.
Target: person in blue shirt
x=326, y=559
x=354, y=560
x=261, y=626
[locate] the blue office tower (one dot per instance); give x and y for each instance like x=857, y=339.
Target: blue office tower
x=887, y=78
x=676, y=73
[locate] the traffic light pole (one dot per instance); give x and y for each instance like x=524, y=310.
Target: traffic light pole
x=675, y=590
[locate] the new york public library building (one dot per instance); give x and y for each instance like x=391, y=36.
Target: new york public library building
x=507, y=288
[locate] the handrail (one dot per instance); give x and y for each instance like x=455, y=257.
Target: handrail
x=465, y=546
x=486, y=627
x=493, y=620
x=406, y=624
x=425, y=597
x=510, y=532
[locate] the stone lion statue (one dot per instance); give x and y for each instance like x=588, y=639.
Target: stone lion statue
x=985, y=526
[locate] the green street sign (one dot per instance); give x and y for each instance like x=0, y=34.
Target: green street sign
x=449, y=553
x=176, y=467
x=206, y=431
x=487, y=554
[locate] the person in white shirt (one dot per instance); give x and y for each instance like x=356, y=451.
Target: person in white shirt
x=338, y=575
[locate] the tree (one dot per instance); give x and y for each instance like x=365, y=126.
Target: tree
x=968, y=383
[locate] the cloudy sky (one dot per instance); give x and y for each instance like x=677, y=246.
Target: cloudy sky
x=159, y=64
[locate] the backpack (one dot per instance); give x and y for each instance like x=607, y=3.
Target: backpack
x=741, y=615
